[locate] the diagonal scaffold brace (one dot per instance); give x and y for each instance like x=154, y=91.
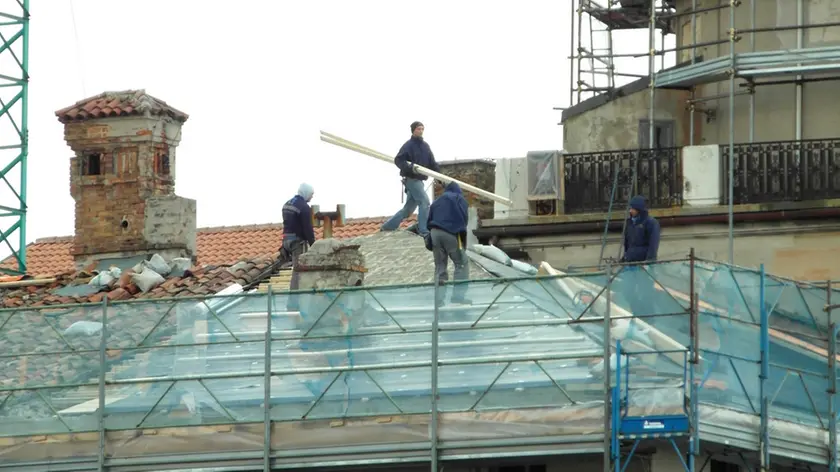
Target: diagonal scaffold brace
x=341, y=142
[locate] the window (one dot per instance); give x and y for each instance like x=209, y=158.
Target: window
x=91, y=163
x=162, y=163
x=663, y=134
x=687, y=39
x=125, y=161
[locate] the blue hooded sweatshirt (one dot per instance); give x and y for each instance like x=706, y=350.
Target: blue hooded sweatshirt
x=449, y=211
x=415, y=151
x=641, y=234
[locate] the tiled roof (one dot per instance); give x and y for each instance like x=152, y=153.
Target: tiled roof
x=215, y=245
x=401, y=257
x=112, y=104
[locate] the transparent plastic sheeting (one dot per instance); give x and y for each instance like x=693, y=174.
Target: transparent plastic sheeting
x=354, y=366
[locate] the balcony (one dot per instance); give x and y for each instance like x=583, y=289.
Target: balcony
x=782, y=171
x=767, y=172
x=590, y=178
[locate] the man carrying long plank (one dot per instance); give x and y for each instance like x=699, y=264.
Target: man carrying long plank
x=414, y=151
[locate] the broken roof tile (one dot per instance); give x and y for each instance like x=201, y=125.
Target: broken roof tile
x=52, y=292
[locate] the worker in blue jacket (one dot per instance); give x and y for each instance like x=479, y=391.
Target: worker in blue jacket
x=641, y=233
x=448, y=234
x=298, y=234
x=641, y=245
x=414, y=151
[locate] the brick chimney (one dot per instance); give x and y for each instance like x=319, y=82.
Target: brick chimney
x=122, y=177
x=480, y=173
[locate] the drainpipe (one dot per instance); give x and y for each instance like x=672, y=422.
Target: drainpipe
x=752, y=88
x=691, y=116
x=800, y=40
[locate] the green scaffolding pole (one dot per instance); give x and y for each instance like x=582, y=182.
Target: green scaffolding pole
x=14, y=74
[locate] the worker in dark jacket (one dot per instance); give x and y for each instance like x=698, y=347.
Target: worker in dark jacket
x=641, y=233
x=641, y=244
x=448, y=227
x=298, y=234
x=414, y=151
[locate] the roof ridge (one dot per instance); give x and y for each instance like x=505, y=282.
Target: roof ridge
x=264, y=226
x=228, y=228
x=232, y=228
x=53, y=240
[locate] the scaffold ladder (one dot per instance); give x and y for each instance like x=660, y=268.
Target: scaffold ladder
x=635, y=429
x=628, y=189
x=598, y=53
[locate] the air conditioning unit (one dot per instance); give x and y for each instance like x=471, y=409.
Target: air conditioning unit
x=544, y=185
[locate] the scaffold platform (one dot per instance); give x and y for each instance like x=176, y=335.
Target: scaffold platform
x=529, y=368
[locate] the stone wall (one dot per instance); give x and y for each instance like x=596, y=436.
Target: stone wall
x=331, y=264
x=477, y=172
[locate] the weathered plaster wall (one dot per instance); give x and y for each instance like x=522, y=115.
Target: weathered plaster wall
x=775, y=105
x=615, y=125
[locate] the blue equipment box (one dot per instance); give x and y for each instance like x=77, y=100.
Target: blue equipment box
x=643, y=425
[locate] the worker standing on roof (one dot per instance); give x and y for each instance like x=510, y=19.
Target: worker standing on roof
x=298, y=233
x=641, y=244
x=448, y=225
x=414, y=151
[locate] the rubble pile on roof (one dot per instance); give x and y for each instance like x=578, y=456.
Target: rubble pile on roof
x=76, y=287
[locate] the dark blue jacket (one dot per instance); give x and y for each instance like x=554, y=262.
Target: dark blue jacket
x=297, y=219
x=641, y=234
x=415, y=151
x=449, y=211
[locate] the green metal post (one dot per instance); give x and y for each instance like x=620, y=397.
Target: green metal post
x=607, y=371
x=13, y=79
x=103, y=343
x=24, y=130
x=267, y=380
x=433, y=433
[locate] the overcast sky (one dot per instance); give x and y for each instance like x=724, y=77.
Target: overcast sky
x=261, y=79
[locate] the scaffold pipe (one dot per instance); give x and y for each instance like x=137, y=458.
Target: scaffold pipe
x=333, y=139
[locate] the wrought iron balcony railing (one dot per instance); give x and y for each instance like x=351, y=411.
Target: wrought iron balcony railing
x=782, y=171
x=589, y=178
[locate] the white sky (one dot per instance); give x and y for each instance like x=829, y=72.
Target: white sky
x=259, y=81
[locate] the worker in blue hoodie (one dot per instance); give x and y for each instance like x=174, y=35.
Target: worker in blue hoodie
x=298, y=234
x=641, y=244
x=414, y=151
x=448, y=233
x=641, y=233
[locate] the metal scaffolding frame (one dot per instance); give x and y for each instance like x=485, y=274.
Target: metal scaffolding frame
x=753, y=68
x=14, y=108
x=236, y=382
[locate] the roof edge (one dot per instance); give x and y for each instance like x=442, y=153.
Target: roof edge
x=631, y=88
